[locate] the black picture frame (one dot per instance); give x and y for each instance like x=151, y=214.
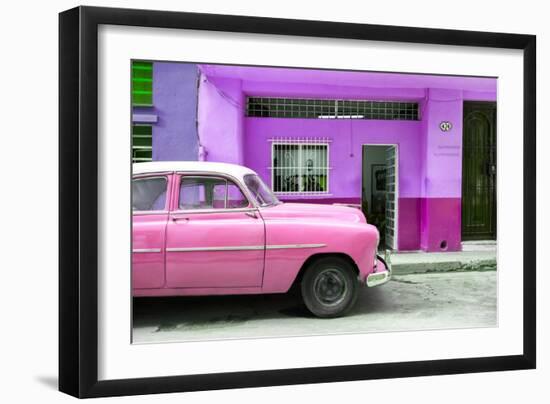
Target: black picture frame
x=78, y=200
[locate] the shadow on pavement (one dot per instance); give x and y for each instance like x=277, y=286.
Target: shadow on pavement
x=192, y=312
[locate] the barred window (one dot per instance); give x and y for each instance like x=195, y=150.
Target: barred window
x=330, y=109
x=142, y=143
x=300, y=167
x=142, y=83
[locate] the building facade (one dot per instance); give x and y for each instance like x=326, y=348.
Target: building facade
x=416, y=152
x=164, y=111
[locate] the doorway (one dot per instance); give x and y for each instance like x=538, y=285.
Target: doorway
x=479, y=167
x=379, y=190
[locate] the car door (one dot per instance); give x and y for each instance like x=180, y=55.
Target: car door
x=215, y=237
x=149, y=218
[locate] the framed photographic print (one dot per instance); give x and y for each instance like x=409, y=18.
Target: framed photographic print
x=378, y=188
x=378, y=178
x=239, y=194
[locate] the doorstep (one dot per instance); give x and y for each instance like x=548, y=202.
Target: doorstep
x=415, y=262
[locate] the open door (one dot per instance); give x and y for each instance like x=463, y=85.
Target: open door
x=391, y=197
x=379, y=191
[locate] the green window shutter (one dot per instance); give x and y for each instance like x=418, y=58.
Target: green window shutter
x=142, y=143
x=142, y=83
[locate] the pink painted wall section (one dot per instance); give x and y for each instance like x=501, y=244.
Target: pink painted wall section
x=220, y=115
x=430, y=160
x=470, y=95
x=345, y=148
x=443, y=159
x=347, y=138
x=363, y=79
x=441, y=184
x=340, y=91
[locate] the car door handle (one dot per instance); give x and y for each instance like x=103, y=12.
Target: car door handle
x=251, y=214
x=179, y=218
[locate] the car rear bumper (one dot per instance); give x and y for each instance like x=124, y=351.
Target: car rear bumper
x=382, y=271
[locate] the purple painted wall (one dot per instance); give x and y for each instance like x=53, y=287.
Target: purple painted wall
x=351, y=79
x=347, y=137
x=221, y=106
x=441, y=189
x=175, y=111
x=430, y=160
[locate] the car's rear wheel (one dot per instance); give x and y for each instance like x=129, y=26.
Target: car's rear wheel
x=329, y=287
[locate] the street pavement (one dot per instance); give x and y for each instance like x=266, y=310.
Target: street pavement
x=407, y=302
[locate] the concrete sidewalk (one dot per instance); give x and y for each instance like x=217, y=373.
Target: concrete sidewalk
x=472, y=258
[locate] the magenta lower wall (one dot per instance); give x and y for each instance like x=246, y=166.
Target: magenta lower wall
x=426, y=223
x=440, y=223
x=408, y=225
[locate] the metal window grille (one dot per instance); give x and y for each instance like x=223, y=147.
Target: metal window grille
x=142, y=143
x=300, y=166
x=330, y=109
x=142, y=83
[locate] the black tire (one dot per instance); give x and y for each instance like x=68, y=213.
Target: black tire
x=329, y=287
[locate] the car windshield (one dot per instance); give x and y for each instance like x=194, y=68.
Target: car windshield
x=261, y=192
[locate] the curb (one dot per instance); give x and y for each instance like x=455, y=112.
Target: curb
x=445, y=266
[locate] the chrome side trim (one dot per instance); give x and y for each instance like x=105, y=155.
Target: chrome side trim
x=223, y=248
x=244, y=248
x=285, y=246
x=146, y=250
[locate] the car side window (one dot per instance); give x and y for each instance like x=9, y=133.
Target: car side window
x=235, y=197
x=210, y=193
x=149, y=194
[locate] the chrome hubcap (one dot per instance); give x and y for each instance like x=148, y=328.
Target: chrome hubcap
x=330, y=287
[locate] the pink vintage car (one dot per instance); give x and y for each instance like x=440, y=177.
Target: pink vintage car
x=202, y=228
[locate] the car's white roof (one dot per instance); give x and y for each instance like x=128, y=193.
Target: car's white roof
x=191, y=166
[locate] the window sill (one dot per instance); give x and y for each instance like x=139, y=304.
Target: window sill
x=144, y=118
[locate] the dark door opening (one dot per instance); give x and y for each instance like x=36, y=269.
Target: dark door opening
x=379, y=191
x=479, y=167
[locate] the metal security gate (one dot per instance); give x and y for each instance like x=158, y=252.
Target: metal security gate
x=479, y=167
x=391, y=197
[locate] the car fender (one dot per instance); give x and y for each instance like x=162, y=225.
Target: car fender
x=290, y=243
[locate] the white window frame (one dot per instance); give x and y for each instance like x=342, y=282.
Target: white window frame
x=301, y=143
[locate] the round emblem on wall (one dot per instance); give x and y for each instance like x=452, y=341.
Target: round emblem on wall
x=445, y=126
